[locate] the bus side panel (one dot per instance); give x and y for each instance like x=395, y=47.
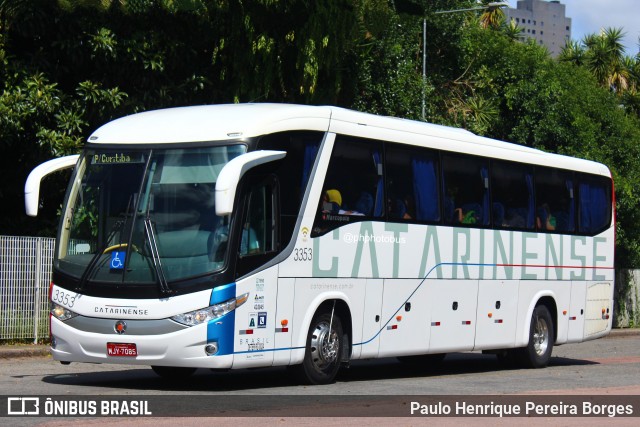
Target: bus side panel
x=453, y=314
x=497, y=314
x=255, y=320
x=372, y=321
x=405, y=321
x=563, y=301
x=283, y=320
x=576, y=311
x=599, y=310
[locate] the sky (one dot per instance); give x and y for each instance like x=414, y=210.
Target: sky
x=589, y=16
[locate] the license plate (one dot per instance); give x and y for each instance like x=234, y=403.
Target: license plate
x=121, y=349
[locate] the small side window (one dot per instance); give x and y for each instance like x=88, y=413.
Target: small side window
x=594, y=194
x=555, y=203
x=353, y=189
x=512, y=195
x=466, y=190
x=412, y=184
x=258, y=234
x=257, y=237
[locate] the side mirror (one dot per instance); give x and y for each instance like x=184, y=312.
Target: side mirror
x=233, y=171
x=32, y=186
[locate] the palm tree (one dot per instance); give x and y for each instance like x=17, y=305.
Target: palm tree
x=573, y=52
x=604, y=57
x=493, y=16
x=512, y=30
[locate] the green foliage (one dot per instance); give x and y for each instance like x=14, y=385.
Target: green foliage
x=388, y=81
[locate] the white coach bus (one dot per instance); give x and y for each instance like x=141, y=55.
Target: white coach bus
x=237, y=236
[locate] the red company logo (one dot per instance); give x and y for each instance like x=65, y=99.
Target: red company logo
x=120, y=327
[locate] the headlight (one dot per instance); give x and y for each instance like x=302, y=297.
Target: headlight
x=61, y=313
x=212, y=312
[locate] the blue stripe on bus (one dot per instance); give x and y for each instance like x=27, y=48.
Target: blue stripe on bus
x=222, y=293
x=269, y=350
x=222, y=330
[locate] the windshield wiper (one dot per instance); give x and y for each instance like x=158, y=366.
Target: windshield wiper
x=155, y=256
x=117, y=226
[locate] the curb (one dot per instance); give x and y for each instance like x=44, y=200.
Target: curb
x=17, y=351
x=626, y=332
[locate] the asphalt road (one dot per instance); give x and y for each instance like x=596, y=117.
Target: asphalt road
x=608, y=366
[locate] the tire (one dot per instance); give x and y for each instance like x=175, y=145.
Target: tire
x=173, y=373
x=507, y=358
x=323, y=349
x=541, y=337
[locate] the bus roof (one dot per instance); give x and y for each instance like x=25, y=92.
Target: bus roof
x=238, y=121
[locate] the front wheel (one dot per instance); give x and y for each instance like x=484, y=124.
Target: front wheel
x=324, y=345
x=541, y=337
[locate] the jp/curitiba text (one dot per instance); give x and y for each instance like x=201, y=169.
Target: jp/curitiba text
x=528, y=409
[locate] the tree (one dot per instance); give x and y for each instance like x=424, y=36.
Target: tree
x=603, y=56
x=492, y=16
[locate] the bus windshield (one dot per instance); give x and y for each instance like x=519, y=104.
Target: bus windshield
x=144, y=216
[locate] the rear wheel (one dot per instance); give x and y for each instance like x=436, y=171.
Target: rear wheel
x=324, y=345
x=173, y=373
x=538, y=352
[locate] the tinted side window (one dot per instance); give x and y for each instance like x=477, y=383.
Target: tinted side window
x=258, y=234
x=293, y=172
x=555, y=204
x=466, y=190
x=353, y=189
x=512, y=195
x=412, y=184
x=594, y=193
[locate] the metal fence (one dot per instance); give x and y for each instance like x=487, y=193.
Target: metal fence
x=25, y=274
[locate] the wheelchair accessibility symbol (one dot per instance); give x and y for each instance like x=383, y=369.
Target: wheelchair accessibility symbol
x=117, y=260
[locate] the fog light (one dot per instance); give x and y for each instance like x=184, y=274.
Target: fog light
x=211, y=349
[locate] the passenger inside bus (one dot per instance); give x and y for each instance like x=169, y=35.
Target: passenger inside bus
x=332, y=203
x=467, y=214
x=544, y=220
x=402, y=208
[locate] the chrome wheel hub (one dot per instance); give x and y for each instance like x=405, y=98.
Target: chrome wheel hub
x=324, y=345
x=540, y=336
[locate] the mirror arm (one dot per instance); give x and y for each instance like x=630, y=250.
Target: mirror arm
x=233, y=171
x=32, y=186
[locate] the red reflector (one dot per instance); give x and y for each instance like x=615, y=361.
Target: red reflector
x=392, y=327
x=466, y=322
x=247, y=332
x=435, y=323
x=572, y=318
x=498, y=321
x=285, y=329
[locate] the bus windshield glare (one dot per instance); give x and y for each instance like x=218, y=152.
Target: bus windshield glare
x=144, y=216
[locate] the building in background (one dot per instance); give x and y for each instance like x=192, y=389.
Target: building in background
x=543, y=21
